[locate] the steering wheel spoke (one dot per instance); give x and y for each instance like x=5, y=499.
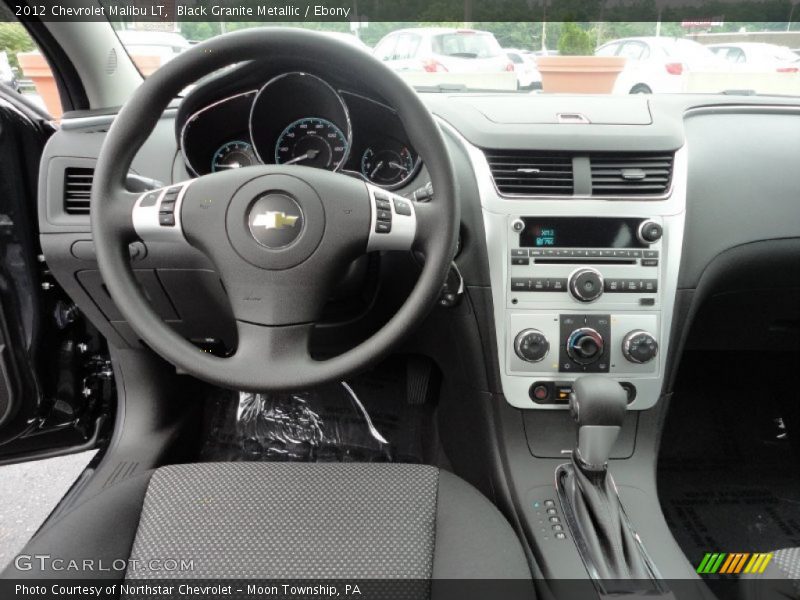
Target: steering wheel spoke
x=282, y=350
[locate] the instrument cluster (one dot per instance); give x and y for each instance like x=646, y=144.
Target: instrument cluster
x=299, y=118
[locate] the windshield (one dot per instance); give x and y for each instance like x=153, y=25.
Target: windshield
x=540, y=57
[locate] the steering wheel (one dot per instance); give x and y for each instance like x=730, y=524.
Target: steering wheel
x=279, y=236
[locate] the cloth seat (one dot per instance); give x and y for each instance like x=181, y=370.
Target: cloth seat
x=285, y=521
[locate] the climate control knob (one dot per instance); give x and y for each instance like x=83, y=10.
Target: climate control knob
x=639, y=346
x=585, y=345
x=531, y=345
x=586, y=285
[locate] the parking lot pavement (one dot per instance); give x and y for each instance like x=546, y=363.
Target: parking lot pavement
x=28, y=493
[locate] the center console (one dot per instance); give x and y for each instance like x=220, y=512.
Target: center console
x=581, y=284
x=582, y=296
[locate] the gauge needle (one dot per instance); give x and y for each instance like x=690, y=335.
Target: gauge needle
x=377, y=168
x=233, y=165
x=312, y=154
x=397, y=166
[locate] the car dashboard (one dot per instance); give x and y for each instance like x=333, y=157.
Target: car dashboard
x=589, y=223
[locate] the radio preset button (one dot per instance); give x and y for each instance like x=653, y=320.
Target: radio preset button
x=649, y=262
x=519, y=252
x=520, y=284
x=516, y=261
x=631, y=286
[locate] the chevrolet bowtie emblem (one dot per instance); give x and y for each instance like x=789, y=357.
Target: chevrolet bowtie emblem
x=275, y=220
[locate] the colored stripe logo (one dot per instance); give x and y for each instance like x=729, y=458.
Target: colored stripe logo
x=733, y=563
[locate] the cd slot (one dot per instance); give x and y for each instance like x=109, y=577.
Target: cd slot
x=584, y=261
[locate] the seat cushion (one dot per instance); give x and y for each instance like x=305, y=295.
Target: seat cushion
x=288, y=521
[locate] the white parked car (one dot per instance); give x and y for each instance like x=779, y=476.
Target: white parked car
x=759, y=56
x=658, y=64
x=528, y=75
x=443, y=50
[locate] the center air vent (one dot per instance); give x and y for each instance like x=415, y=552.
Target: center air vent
x=531, y=173
x=77, y=190
x=631, y=173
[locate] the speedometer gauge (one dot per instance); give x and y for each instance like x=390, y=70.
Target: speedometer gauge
x=387, y=166
x=233, y=155
x=311, y=142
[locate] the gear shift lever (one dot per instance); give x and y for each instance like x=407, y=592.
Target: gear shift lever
x=594, y=513
x=598, y=405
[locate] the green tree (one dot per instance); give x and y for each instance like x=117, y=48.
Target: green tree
x=575, y=41
x=14, y=39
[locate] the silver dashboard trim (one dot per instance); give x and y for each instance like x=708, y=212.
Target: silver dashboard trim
x=498, y=211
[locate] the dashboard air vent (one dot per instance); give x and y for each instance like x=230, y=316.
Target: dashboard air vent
x=77, y=189
x=531, y=173
x=631, y=173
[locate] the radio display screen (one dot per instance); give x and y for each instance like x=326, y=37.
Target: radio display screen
x=580, y=232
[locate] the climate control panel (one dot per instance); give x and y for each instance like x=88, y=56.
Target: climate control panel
x=560, y=347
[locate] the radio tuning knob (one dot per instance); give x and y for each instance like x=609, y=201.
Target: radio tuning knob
x=650, y=232
x=531, y=345
x=639, y=346
x=586, y=284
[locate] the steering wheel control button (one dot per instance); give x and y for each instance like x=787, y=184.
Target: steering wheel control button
x=394, y=221
x=650, y=232
x=402, y=207
x=586, y=285
x=531, y=345
x=583, y=343
x=275, y=220
x=156, y=214
x=150, y=198
x=639, y=347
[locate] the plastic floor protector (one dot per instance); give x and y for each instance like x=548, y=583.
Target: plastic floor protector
x=327, y=424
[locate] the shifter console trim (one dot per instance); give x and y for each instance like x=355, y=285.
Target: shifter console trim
x=631, y=279
x=605, y=586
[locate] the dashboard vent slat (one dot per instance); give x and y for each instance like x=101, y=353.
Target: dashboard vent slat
x=531, y=173
x=77, y=190
x=631, y=173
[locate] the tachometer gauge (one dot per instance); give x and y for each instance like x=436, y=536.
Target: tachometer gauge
x=233, y=155
x=387, y=167
x=311, y=142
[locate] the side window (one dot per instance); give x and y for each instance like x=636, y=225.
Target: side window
x=385, y=49
x=515, y=58
x=407, y=44
x=632, y=50
x=736, y=55
x=607, y=50
x=24, y=69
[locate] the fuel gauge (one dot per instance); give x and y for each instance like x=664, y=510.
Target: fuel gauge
x=387, y=166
